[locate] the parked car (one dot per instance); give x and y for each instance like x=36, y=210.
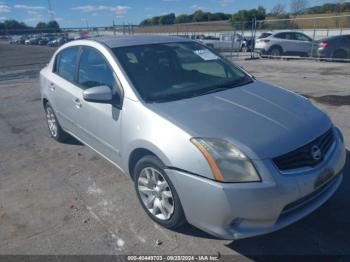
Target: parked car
x=58, y=41
x=44, y=40
x=225, y=42
x=20, y=40
x=14, y=39
x=337, y=47
x=32, y=41
x=283, y=43
x=202, y=139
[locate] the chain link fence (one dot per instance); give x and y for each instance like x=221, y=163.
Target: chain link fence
x=306, y=37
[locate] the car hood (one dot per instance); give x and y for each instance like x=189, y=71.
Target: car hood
x=264, y=121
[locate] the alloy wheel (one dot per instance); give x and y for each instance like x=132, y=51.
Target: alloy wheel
x=51, y=121
x=155, y=193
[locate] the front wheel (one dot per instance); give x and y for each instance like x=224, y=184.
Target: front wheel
x=157, y=194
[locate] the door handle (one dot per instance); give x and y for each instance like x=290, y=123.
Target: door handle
x=77, y=103
x=52, y=86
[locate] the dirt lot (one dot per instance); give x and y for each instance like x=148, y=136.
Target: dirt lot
x=64, y=199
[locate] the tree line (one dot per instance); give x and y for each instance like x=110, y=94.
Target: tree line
x=296, y=7
x=197, y=16
x=15, y=26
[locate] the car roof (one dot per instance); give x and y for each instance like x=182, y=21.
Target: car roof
x=336, y=37
x=280, y=31
x=132, y=40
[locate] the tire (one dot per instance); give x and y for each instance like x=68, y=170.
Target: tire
x=339, y=54
x=275, y=51
x=55, y=130
x=158, y=198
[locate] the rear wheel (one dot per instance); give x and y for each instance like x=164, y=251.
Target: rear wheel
x=55, y=130
x=157, y=194
x=275, y=51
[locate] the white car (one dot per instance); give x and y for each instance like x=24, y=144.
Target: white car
x=283, y=43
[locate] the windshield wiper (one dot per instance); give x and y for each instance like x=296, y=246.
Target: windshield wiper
x=225, y=86
x=166, y=97
x=216, y=89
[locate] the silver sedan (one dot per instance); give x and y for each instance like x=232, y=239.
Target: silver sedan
x=202, y=139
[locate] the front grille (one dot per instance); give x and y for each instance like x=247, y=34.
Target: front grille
x=303, y=157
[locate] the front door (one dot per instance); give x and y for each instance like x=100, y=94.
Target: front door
x=99, y=123
x=303, y=43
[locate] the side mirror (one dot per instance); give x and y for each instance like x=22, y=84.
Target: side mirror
x=98, y=94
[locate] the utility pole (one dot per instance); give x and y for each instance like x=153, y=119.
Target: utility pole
x=52, y=17
x=87, y=24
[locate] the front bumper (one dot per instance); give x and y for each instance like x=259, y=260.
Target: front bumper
x=240, y=210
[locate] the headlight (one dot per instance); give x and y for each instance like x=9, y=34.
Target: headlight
x=227, y=162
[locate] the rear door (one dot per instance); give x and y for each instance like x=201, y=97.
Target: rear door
x=99, y=123
x=62, y=88
x=346, y=44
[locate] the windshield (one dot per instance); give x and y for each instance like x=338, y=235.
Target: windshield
x=173, y=71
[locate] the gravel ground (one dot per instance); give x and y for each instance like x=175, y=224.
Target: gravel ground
x=65, y=199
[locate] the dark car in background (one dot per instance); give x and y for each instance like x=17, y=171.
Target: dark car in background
x=44, y=40
x=58, y=41
x=19, y=40
x=336, y=47
x=32, y=41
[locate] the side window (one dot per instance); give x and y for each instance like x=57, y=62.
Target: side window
x=301, y=37
x=226, y=38
x=66, y=63
x=289, y=36
x=94, y=70
x=281, y=35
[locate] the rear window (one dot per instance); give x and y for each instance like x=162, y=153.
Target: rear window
x=264, y=35
x=211, y=38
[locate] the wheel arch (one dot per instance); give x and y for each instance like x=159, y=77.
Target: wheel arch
x=135, y=156
x=276, y=46
x=340, y=50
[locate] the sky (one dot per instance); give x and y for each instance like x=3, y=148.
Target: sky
x=93, y=13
